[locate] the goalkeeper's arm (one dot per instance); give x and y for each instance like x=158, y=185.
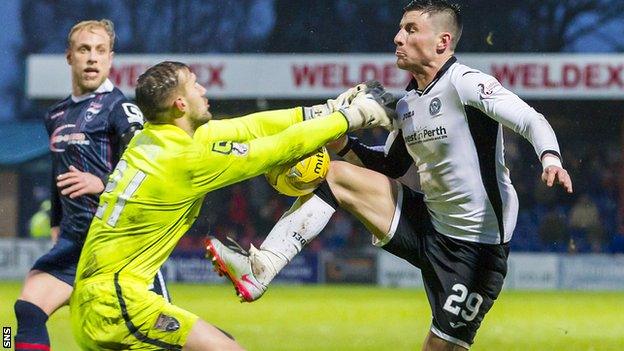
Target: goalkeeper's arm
x=255, y=125
x=243, y=161
x=225, y=163
x=262, y=124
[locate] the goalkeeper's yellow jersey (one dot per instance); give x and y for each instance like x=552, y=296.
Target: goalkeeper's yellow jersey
x=155, y=193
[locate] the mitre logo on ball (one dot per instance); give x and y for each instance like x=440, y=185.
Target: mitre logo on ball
x=302, y=177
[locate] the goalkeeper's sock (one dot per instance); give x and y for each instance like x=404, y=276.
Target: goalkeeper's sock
x=299, y=225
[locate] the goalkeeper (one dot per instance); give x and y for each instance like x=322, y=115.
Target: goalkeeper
x=155, y=194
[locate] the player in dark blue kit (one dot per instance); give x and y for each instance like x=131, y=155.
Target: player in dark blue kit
x=88, y=132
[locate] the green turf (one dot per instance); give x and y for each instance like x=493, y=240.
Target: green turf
x=369, y=318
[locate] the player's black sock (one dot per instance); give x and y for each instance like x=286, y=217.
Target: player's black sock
x=31, y=327
x=324, y=193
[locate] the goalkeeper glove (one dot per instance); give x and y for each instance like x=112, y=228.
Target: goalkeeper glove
x=369, y=111
x=343, y=100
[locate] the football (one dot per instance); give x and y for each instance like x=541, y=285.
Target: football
x=302, y=177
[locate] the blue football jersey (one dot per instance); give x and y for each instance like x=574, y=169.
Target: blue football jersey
x=85, y=132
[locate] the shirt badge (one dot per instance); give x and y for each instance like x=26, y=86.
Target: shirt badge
x=166, y=323
x=93, y=109
x=434, y=106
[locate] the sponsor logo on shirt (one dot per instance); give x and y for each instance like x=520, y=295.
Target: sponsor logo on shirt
x=425, y=135
x=133, y=113
x=61, y=137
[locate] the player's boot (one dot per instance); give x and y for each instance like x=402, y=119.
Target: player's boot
x=233, y=262
x=265, y=264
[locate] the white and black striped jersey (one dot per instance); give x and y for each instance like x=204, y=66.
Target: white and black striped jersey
x=452, y=132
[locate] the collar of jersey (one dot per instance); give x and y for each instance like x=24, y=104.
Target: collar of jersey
x=413, y=85
x=106, y=87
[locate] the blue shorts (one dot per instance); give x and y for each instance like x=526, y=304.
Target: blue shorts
x=61, y=261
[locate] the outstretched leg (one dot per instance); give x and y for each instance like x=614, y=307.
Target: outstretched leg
x=368, y=195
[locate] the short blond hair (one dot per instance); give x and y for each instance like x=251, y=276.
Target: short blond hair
x=105, y=24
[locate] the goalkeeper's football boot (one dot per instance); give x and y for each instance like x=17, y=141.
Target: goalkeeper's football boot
x=234, y=263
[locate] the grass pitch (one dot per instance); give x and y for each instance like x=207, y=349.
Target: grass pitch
x=338, y=317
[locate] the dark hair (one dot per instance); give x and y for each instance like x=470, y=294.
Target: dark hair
x=440, y=7
x=154, y=88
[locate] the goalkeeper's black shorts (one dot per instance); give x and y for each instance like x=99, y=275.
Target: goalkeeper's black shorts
x=461, y=278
